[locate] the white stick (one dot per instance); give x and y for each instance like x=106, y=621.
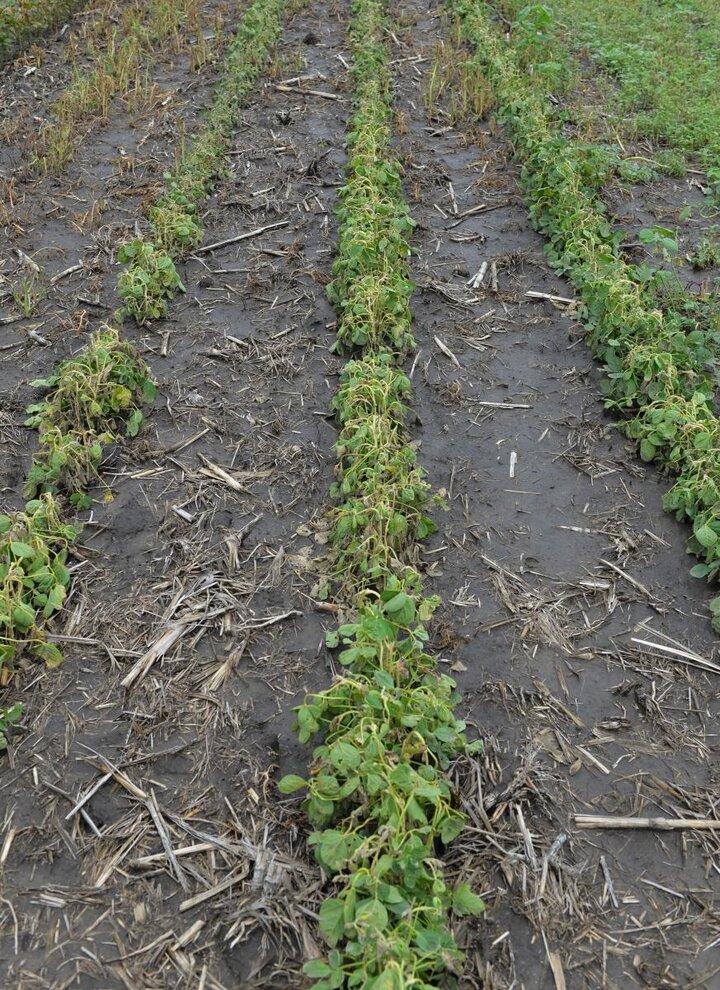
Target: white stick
x=239, y=237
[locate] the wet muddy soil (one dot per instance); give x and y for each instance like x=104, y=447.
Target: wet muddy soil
x=142, y=841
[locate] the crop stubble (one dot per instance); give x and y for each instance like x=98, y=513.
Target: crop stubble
x=539, y=622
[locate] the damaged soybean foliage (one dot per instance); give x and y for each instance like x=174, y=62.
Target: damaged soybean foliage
x=385, y=731
x=94, y=400
x=151, y=278
x=660, y=378
x=34, y=577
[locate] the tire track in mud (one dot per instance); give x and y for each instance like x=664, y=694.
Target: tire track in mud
x=555, y=547
x=217, y=573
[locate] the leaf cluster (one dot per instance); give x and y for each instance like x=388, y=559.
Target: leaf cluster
x=381, y=803
x=93, y=400
x=371, y=285
x=381, y=490
x=34, y=577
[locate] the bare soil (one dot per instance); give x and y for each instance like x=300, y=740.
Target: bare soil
x=565, y=585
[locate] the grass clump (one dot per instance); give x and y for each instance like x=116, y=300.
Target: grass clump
x=657, y=372
x=385, y=732
x=28, y=293
x=94, y=400
x=119, y=48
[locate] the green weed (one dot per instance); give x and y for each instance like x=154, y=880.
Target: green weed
x=706, y=254
x=21, y=20
x=8, y=716
x=28, y=293
x=659, y=62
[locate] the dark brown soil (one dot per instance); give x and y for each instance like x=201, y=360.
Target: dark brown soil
x=547, y=570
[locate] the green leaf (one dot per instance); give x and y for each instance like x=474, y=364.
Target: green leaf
x=317, y=968
x=647, y=450
x=700, y=570
x=23, y=617
x=371, y=914
x=401, y=608
x=332, y=920
x=383, y=679
x=703, y=441
x=81, y=501
x=132, y=427
x=62, y=574
x=22, y=550
x=335, y=848
x=291, y=783
x=374, y=783
x=705, y=536
x=429, y=940
x=10, y=715
x=307, y=721
x=451, y=827
x=397, y=602
x=348, y=788
x=388, y=980
x=378, y=629
x=344, y=756
x=56, y=597
x=466, y=902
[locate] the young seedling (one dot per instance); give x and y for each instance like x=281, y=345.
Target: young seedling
x=28, y=293
x=8, y=716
